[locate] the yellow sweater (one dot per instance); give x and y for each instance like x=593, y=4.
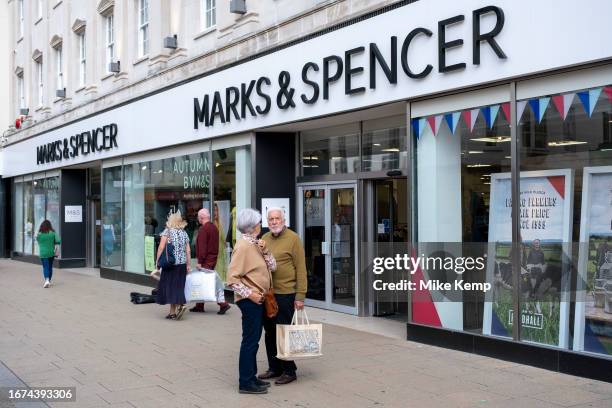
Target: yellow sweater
x=290, y=274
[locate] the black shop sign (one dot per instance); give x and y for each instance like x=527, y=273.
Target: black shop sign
x=257, y=97
x=81, y=144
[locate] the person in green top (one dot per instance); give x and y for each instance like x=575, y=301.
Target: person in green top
x=48, y=242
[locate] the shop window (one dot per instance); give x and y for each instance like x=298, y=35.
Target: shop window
x=566, y=151
x=52, y=208
x=28, y=217
x=39, y=208
x=384, y=144
x=333, y=150
x=232, y=180
x=18, y=217
x=456, y=154
x=112, y=217
x=155, y=188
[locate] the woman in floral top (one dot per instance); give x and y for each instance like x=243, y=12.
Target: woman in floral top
x=171, y=289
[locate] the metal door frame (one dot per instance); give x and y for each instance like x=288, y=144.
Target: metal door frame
x=327, y=187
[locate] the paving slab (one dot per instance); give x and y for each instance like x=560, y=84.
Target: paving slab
x=84, y=332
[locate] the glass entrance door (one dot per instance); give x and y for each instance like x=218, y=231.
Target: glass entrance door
x=328, y=229
x=390, y=232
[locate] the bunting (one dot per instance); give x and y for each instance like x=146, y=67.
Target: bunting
x=608, y=91
x=589, y=99
x=506, y=109
x=452, y=120
x=434, y=123
x=520, y=108
x=538, y=107
x=470, y=117
x=490, y=114
x=419, y=126
x=563, y=103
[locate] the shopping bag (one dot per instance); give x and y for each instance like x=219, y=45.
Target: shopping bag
x=300, y=339
x=200, y=286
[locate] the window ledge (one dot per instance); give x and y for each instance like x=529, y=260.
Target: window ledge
x=141, y=60
x=20, y=39
x=107, y=76
x=79, y=89
x=38, y=20
x=205, y=32
x=57, y=4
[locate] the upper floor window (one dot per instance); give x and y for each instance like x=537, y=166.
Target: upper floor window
x=21, y=18
x=143, y=27
x=59, y=62
x=40, y=85
x=82, y=60
x=110, y=40
x=39, y=9
x=209, y=13
x=21, y=92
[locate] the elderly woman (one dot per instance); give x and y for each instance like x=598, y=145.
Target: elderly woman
x=171, y=287
x=250, y=276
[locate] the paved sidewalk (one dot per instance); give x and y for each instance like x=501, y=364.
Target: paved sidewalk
x=84, y=332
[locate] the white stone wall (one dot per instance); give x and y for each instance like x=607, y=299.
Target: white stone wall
x=266, y=24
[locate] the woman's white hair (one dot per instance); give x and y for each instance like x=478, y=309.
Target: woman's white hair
x=247, y=220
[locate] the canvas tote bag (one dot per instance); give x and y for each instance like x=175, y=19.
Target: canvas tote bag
x=300, y=339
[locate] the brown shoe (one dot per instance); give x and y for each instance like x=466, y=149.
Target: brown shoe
x=268, y=374
x=285, y=379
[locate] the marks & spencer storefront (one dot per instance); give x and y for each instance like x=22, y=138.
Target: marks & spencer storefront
x=406, y=129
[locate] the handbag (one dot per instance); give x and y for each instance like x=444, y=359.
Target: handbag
x=166, y=259
x=299, y=340
x=269, y=300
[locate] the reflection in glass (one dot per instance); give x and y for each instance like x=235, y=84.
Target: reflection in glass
x=384, y=144
x=314, y=239
x=18, y=217
x=343, y=246
x=456, y=155
x=561, y=136
x=232, y=176
x=28, y=219
x=39, y=208
x=111, y=217
x=333, y=150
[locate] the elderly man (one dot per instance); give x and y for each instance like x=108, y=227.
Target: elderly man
x=289, y=283
x=207, y=249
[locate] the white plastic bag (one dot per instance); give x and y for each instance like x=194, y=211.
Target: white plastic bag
x=200, y=286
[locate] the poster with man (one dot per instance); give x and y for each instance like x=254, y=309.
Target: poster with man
x=593, y=322
x=545, y=207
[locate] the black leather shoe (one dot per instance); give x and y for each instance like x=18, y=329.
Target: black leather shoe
x=262, y=383
x=253, y=389
x=223, y=309
x=285, y=379
x=268, y=374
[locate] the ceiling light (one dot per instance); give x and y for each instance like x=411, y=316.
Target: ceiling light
x=144, y=167
x=492, y=139
x=605, y=150
x=378, y=144
x=507, y=157
x=217, y=164
x=475, y=152
x=559, y=143
x=486, y=183
x=310, y=158
x=336, y=158
x=478, y=165
x=391, y=150
x=486, y=175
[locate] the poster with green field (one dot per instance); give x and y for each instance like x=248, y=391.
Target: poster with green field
x=545, y=209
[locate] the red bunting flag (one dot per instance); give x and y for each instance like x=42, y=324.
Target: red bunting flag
x=608, y=91
x=506, y=109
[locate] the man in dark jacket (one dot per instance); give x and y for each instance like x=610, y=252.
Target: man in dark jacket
x=207, y=250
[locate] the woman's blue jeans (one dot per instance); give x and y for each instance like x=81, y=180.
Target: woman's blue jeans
x=252, y=326
x=47, y=264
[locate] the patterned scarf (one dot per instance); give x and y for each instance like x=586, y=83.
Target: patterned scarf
x=268, y=257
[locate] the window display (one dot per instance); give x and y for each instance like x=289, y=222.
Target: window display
x=456, y=154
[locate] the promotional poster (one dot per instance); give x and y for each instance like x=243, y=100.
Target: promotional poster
x=594, y=299
x=545, y=225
